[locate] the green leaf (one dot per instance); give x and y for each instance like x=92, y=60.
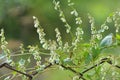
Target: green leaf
x=92, y=55
x=95, y=52
x=117, y=36
x=88, y=58
x=118, y=39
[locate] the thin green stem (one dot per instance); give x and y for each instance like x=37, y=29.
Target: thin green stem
x=14, y=55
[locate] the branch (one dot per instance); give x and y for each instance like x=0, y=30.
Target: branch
x=83, y=72
x=67, y=68
x=102, y=61
x=113, y=65
x=10, y=67
x=49, y=65
x=72, y=70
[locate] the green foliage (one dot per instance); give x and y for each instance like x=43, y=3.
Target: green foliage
x=75, y=56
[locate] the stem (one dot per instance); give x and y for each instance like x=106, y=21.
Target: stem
x=92, y=67
x=72, y=70
x=49, y=65
x=112, y=64
x=102, y=61
x=28, y=54
x=9, y=67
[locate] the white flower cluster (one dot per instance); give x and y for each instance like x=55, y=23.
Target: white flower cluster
x=116, y=19
x=54, y=58
x=46, y=44
x=4, y=48
x=61, y=15
x=57, y=4
x=66, y=47
x=4, y=42
x=36, y=54
x=97, y=34
x=93, y=32
x=70, y=3
x=40, y=32
x=79, y=34
x=74, y=12
x=78, y=20
x=58, y=36
x=92, y=22
x=22, y=49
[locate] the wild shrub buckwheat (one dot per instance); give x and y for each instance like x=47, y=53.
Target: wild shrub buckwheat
x=57, y=4
x=99, y=36
x=92, y=22
x=78, y=20
x=70, y=3
x=62, y=16
x=78, y=53
x=22, y=49
x=58, y=36
x=93, y=32
x=116, y=19
x=36, y=22
x=66, y=47
x=79, y=33
x=68, y=28
x=40, y=30
x=4, y=48
x=46, y=44
x=54, y=57
x=109, y=19
x=34, y=50
x=104, y=27
x=52, y=45
x=74, y=12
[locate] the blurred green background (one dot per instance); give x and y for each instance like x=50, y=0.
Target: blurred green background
x=16, y=18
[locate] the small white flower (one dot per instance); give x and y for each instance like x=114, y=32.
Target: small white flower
x=63, y=19
x=36, y=22
x=78, y=20
x=57, y=4
x=74, y=12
